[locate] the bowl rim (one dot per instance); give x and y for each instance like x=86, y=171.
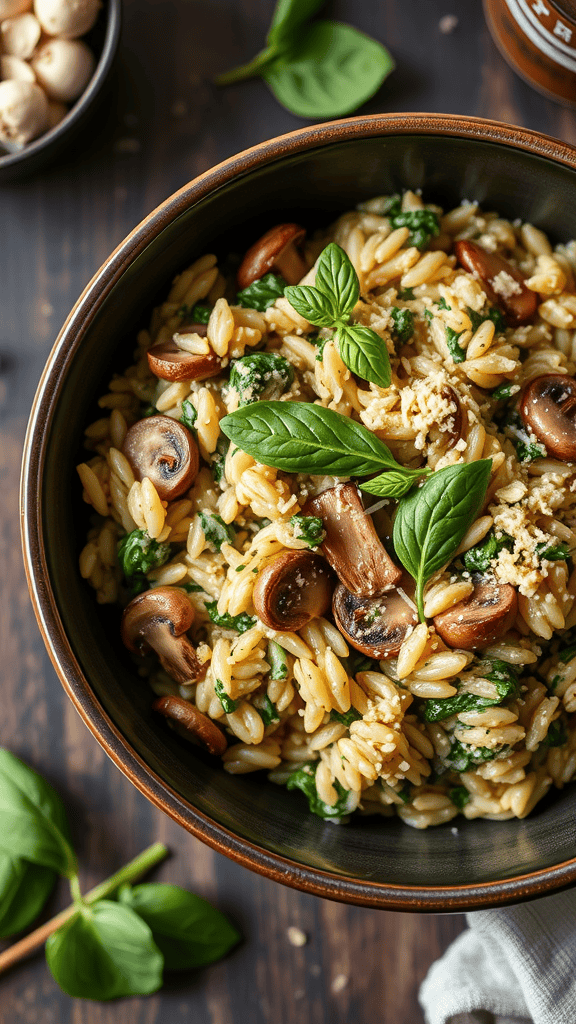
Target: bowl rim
x=449, y=898
x=77, y=112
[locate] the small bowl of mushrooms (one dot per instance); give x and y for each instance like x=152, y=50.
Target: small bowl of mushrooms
x=55, y=56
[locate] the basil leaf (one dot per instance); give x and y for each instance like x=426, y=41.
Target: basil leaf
x=260, y=375
x=312, y=304
x=290, y=15
x=189, y=416
x=229, y=705
x=456, y=351
x=241, y=623
x=104, y=952
x=186, y=929
x=216, y=531
x=304, y=779
x=308, y=528
x=33, y=822
x=327, y=69
x=459, y=796
x=24, y=889
x=364, y=352
x=393, y=483
x=431, y=522
x=337, y=280
x=298, y=437
x=278, y=660
x=262, y=293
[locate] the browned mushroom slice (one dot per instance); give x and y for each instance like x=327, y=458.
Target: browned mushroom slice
x=293, y=589
x=548, y=408
x=375, y=625
x=449, y=429
x=509, y=291
x=169, y=362
x=165, y=451
x=277, y=251
x=158, y=620
x=351, y=545
x=485, y=616
x=193, y=724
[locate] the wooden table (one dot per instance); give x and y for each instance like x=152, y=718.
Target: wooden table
x=164, y=124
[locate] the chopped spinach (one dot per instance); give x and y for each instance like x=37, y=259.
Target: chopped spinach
x=478, y=558
x=503, y=675
x=226, y=701
x=456, y=351
x=345, y=717
x=357, y=662
x=198, y=314
x=192, y=588
x=304, y=779
x=497, y=672
x=219, y=458
x=309, y=529
x=567, y=654
x=557, y=734
x=461, y=757
x=493, y=314
x=502, y=391
x=260, y=376
x=189, y=415
x=138, y=553
x=406, y=293
x=553, y=552
x=513, y=427
x=443, y=304
x=266, y=709
x=148, y=410
x=459, y=796
x=278, y=660
x=262, y=293
x=423, y=224
x=319, y=343
x=403, y=323
x=428, y=315
x=405, y=793
x=241, y=623
x=216, y=531
x=529, y=452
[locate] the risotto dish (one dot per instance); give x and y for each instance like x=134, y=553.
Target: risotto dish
x=334, y=499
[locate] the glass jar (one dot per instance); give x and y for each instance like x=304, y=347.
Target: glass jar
x=538, y=39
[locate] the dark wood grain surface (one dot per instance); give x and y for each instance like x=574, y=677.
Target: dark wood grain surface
x=163, y=123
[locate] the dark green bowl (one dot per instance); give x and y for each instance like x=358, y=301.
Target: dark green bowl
x=308, y=176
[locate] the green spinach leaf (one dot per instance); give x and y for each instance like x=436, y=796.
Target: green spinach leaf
x=309, y=529
x=304, y=779
x=456, y=351
x=479, y=558
x=462, y=757
x=345, y=717
x=262, y=293
x=216, y=531
x=403, y=323
x=138, y=553
x=278, y=660
x=241, y=623
x=266, y=709
x=189, y=416
x=260, y=375
x=553, y=552
x=229, y=705
x=459, y=796
x=557, y=734
x=423, y=225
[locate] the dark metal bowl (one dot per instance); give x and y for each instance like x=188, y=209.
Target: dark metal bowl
x=309, y=176
x=103, y=40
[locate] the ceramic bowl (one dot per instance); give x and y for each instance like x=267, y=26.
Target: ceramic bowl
x=309, y=176
x=103, y=40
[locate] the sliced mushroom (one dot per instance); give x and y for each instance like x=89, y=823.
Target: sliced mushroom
x=448, y=429
x=482, y=618
x=192, y=723
x=158, y=619
x=513, y=297
x=351, y=545
x=548, y=408
x=376, y=625
x=165, y=451
x=278, y=251
x=169, y=362
x=293, y=589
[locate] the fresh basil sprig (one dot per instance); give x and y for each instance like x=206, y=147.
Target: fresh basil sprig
x=431, y=522
x=318, y=70
x=329, y=303
x=104, y=949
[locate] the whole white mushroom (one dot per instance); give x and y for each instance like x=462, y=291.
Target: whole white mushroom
x=23, y=112
x=20, y=35
x=63, y=68
x=67, y=18
x=10, y=8
x=13, y=67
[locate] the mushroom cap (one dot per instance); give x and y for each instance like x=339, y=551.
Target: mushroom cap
x=480, y=619
x=351, y=545
x=262, y=256
x=15, y=68
x=520, y=304
x=67, y=18
x=169, y=362
x=10, y=8
x=376, y=626
x=158, y=620
x=192, y=722
x=20, y=35
x=165, y=451
x=23, y=111
x=292, y=589
x=548, y=408
x=63, y=68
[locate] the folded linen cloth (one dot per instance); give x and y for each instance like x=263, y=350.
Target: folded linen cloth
x=512, y=966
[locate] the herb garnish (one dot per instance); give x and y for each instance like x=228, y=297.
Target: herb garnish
x=138, y=553
x=241, y=623
x=318, y=70
x=553, y=552
x=423, y=224
x=104, y=949
x=459, y=796
x=430, y=523
x=403, y=323
x=260, y=375
x=329, y=303
x=309, y=529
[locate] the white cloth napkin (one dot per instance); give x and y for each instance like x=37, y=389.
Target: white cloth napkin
x=512, y=966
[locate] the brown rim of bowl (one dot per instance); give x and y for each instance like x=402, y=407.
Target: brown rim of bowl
x=280, y=869
x=80, y=108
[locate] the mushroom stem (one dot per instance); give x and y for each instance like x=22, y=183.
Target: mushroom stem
x=177, y=655
x=291, y=264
